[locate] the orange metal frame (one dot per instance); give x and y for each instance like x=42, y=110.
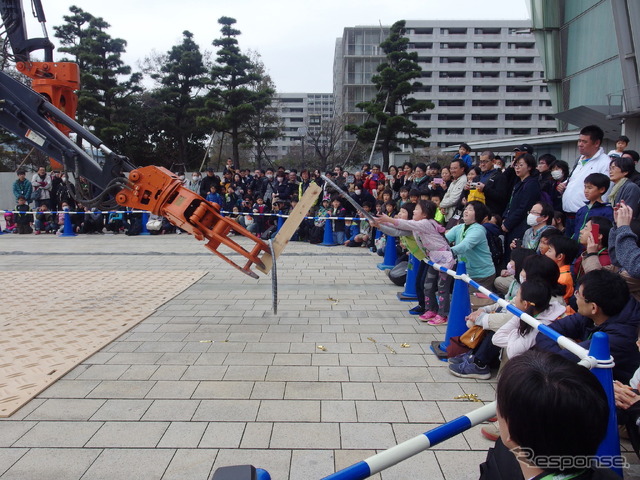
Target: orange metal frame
x=159, y=191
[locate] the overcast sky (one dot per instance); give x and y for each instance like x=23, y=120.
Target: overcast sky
x=296, y=39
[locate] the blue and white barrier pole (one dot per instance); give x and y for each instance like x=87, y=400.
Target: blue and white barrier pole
x=599, y=349
x=405, y=450
x=390, y=254
x=409, y=294
x=460, y=308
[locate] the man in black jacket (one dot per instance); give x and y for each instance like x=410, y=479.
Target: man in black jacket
x=208, y=181
x=604, y=305
x=493, y=184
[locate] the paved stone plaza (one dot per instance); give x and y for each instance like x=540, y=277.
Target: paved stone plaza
x=213, y=378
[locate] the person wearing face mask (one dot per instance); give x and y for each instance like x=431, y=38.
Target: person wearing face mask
x=539, y=220
x=65, y=193
x=559, y=173
x=194, y=183
x=360, y=195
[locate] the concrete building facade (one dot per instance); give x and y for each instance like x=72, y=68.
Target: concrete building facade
x=301, y=114
x=485, y=78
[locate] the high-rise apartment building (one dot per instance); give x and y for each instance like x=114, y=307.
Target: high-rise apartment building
x=485, y=78
x=300, y=114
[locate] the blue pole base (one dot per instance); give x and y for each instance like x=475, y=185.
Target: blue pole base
x=441, y=354
x=382, y=266
x=403, y=297
x=328, y=244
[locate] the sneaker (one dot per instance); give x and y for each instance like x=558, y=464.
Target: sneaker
x=469, y=369
x=460, y=358
x=417, y=310
x=491, y=432
x=428, y=315
x=437, y=320
x=37, y=232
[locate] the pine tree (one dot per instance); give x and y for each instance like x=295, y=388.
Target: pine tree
x=232, y=103
x=181, y=78
x=391, y=108
x=98, y=55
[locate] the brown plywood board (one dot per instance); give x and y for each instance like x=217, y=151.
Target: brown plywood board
x=291, y=225
x=52, y=320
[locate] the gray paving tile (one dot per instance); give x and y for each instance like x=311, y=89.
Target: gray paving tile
x=289, y=411
x=268, y=390
x=12, y=431
x=121, y=389
x=9, y=456
x=59, y=434
x=311, y=463
x=367, y=435
x=256, y=435
x=338, y=411
x=122, y=410
x=168, y=372
x=171, y=410
x=222, y=435
x=103, y=372
x=128, y=435
x=141, y=464
x=67, y=463
x=312, y=391
x=227, y=410
x=183, y=435
x=305, y=435
x=69, y=389
x=172, y=389
x=222, y=390
x=238, y=372
x=387, y=411
x=191, y=464
x=396, y=391
x=66, y=409
x=139, y=372
x=285, y=373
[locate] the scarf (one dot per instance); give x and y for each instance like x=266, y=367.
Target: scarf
x=616, y=188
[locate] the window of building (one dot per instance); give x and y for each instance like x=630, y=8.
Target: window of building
x=455, y=45
x=291, y=100
x=423, y=31
x=451, y=116
x=453, y=74
x=425, y=74
x=520, y=60
x=451, y=131
x=486, y=45
x=548, y=118
x=451, y=103
x=517, y=117
x=519, y=88
x=519, y=74
x=451, y=88
x=484, y=117
x=487, y=74
x=453, y=31
x=520, y=131
x=544, y=103
x=487, y=131
x=423, y=88
x=521, y=45
x=425, y=59
x=453, y=60
x=487, y=59
x=421, y=116
x=296, y=120
x=487, y=31
x=484, y=103
x=518, y=103
x=486, y=88
x=421, y=45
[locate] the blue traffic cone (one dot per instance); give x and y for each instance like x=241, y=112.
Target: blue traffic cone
x=390, y=254
x=145, y=219
x=68, y=226
x=599, y=349
x=460, y=308
x=327, y=240
x=409, y=293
